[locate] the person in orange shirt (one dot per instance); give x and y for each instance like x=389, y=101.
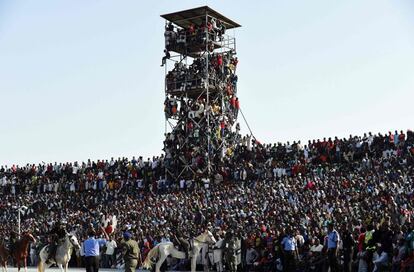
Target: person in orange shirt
x=111, y=185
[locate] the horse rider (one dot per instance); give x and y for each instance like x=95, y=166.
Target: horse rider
x=183, y=240
x=12, y=240
x=57, y=233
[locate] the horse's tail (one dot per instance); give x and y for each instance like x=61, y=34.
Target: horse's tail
x=40, y=266
x=147, y=264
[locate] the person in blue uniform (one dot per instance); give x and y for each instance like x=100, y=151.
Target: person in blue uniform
x=290, y=251
x=91, y=250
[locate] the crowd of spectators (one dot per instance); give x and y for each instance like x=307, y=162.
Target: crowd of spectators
x=262, y=192
x=221, y=69
x=191, y=148
x=194, y=37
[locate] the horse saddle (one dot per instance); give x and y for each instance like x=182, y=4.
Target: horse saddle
x=51, y=250
x=187, y=245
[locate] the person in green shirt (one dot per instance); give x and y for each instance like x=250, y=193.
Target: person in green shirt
x=130, y=251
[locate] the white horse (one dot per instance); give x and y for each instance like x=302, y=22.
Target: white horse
x=201, y=243
x=163, y=250
x=63, y=254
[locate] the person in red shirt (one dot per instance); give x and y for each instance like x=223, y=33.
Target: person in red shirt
x=222, y=127
x=219, y=60
x=361, y=239
x=209, y=27
x=233, y=102
x=401, y=137
x=229, y=89
x=191, y=29
x=109, y=229
x=390, y=137
x=235, y=61
x=189, y=126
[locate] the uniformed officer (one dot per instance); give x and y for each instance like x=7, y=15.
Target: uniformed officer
x=229, y=245
x=290, y=250
x=130, y=251
x=332, y=244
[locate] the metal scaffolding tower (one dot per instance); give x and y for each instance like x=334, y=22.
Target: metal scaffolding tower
x=201, y=104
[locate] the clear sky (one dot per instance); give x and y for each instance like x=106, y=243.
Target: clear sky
x=82, y=79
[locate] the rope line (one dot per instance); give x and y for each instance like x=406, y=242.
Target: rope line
x=245, y=120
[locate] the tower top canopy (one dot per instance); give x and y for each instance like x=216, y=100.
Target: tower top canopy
x=196, y=16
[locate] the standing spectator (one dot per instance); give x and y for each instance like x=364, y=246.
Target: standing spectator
x=347, y=246
x=33, y=255
x=400, y=253
x=251, y=257
x=380, y=260
x=109, y=256
x=164, y=59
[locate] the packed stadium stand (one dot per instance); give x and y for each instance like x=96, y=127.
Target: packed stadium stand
x=359, y=187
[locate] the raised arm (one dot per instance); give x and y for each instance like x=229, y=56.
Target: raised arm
x=104, y=232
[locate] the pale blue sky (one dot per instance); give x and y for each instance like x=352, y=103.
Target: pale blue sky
x=81, y=79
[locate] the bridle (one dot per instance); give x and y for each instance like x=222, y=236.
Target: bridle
x=205, y=242
x=201, y=242
x=28, y=237
x=70, y=236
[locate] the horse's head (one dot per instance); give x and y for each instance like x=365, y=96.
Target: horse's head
x=210, y=238
x=74, y=241
x=207, y=237
x=28, y=236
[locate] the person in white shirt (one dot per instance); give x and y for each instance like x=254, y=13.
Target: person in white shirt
x=299, y=239
x=182, y=184
x=216, y=256
x=315, y=256
x=206, y=182
x=316, y=246
x=75, y=168
x=109, y=256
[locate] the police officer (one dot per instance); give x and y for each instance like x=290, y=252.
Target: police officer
x=229, y=250
x=130, y=251
x=91, y=250
x=290, y=250
x=332, y=245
